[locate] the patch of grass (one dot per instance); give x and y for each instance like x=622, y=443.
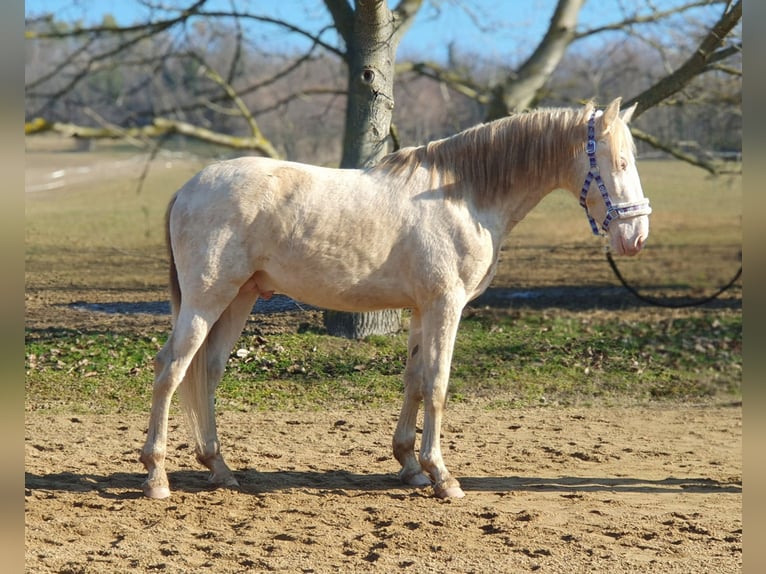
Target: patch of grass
x=313, y=369
x=521, y=359
x=542, y=358
x=89, y=372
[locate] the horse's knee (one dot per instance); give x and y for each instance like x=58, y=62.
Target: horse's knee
x=413, y=389
x=160, y=361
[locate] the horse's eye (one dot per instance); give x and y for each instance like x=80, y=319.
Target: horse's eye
x=623, y=164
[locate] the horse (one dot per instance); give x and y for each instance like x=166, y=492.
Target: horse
x=422, y=229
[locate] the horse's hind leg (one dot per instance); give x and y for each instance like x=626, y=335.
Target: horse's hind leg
x=170, y=367
x=404, y=436
x=201, y=409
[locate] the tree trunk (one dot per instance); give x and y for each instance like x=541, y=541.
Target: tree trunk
x=362, y=325
x=520, y=90
x=371, y=33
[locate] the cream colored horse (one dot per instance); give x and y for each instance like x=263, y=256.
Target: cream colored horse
x=421, y=230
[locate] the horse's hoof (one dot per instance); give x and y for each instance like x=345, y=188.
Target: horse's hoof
x=224, y=482
x=448, y=489
x=452, y=492
x=418, y=480
x=156, y=492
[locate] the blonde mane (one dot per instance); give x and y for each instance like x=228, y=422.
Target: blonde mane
x=521, y=150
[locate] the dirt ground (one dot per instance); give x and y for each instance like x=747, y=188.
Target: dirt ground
x=591, y=490
x=549, y=490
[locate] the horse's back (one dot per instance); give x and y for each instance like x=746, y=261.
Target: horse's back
x=258, y=184
x=317, y=234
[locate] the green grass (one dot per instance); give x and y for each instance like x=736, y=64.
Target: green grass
x=531, y=358
x=567, y=359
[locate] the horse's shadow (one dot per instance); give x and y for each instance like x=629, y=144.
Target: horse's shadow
x=126, y=485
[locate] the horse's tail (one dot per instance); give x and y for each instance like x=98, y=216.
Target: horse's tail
x=175, y=289
x=195, y=399
x=193, y=390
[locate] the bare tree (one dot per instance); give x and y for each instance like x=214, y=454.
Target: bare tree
x=371, y=32
x=525, y=87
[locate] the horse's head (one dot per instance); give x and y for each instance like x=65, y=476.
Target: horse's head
x=611, y=194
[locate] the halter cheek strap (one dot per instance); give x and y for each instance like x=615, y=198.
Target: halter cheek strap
x=613, y=211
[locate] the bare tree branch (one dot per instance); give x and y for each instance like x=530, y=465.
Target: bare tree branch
x=714, y=168
x=692, y=67
x=519, y=91
x=454, y=80
x=154, y=74
x=257, y=135
x=404, y=14
x=145, y=29
x=315, y=38
x=237, y=58
x=282, y=102
x=343, y=16
x=56, y=70
x=654, y=16
x=143, y=32
x=293, y=65
x=160, y=127
x=724, y=53
x=725, y=69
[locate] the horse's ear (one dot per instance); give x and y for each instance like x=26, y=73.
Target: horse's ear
x=627, y=114
x=610, y=114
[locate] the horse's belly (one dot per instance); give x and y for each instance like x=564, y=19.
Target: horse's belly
x=369, y=294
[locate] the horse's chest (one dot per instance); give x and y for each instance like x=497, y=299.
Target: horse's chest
x=479, y=264
x=485, y=280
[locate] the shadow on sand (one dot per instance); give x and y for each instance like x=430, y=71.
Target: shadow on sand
x=124, y=485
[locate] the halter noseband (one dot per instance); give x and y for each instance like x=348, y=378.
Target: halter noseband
x=613, y=211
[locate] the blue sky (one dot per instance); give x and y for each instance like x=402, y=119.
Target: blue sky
x=509, y=29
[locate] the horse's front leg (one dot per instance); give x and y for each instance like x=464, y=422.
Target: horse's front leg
x=404, y=437
x=439, y=330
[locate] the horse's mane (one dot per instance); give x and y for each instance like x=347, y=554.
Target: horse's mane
x=519, y=150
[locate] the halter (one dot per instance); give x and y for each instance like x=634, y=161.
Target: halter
x=613, y=211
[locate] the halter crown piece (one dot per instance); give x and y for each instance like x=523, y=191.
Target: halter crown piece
x=613, y=211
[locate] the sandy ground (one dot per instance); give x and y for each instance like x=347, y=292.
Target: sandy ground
x=549, y=490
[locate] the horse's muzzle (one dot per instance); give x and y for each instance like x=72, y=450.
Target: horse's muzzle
x=629, y=237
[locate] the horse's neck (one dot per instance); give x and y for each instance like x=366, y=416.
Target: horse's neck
x=521, y=177
x=515, y=204
x=520, y=202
